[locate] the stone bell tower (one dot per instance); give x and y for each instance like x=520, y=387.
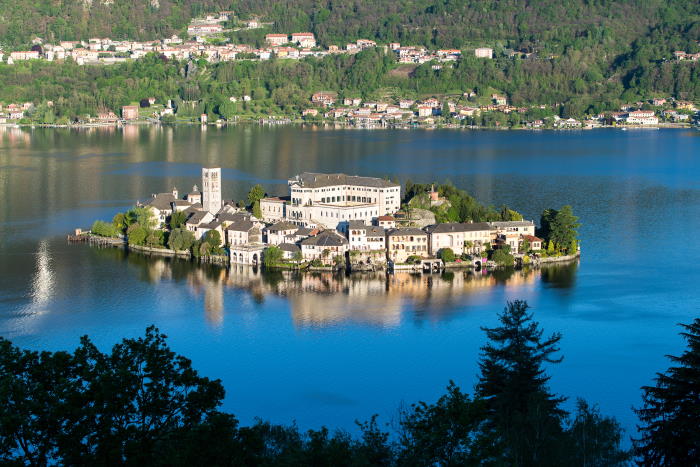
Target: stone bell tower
x=211, y=189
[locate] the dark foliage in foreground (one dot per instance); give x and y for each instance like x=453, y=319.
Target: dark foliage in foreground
x=670, y=429
x=142, y=404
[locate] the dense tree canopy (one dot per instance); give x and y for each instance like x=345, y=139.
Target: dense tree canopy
x=670, y=429
x=57, y=20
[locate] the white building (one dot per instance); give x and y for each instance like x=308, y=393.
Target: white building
x=483, y=52
x=642, y=117
x=304, y=39
x=313, y=203
x=324, y=246
x=273, y=208
x=458, y=237
x=511, y=232
x=363, y=237
x=277, y=233
x=211, y=189
x=332, y=200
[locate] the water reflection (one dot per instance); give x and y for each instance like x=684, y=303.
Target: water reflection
x=43, y=281
x=320, y=299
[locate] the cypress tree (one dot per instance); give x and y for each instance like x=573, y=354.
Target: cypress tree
x=523, y=416
x=670, y=430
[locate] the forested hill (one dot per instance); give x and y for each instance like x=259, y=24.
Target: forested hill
x=588, y=56
x=609, y=27
x=55, y=20
x=549, y=24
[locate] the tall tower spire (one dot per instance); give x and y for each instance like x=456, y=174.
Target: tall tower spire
x=211, y=189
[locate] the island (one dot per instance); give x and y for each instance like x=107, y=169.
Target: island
x=338, y=221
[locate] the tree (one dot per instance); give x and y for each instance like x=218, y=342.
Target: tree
x=445, y=433
x=595, y=439
x=502, y=256
x=255, y=194
x=670, y=433
x=155, y=238
x=137, y=234
x=177, y=219
x=446, y=254
x=213, y=238
x=525, y=245
x=31, y=386
x=120, y=222
x=546, y=221
x=104, y=229
x=142, y=216
x=272, y=255
x=563, y=230
x=257, y=212
x=133, y=405
x=523, y=417
x=298, y=257
x=338, y=260
x=181, y=239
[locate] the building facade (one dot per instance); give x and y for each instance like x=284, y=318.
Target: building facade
x=332, y=200
x=211, y=189
x=459, y=237
x=404, y=242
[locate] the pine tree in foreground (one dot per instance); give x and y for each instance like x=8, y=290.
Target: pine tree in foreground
x=523, y=417
x=670, y=430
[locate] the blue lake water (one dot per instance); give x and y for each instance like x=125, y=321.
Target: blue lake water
x=321, y=349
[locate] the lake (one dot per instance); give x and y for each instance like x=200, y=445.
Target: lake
x=324, y=349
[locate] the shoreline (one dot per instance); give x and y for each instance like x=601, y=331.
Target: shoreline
x=225, y=261
x=349, y=126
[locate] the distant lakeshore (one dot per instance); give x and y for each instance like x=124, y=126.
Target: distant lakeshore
x=347, y=125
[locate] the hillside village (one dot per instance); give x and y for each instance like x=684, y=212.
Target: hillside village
x=326, y=220
x=205, y=39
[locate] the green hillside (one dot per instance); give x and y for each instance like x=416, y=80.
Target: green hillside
x=55, y=20
x=588, y=56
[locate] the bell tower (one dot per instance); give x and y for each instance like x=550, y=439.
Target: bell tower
x=211, y=189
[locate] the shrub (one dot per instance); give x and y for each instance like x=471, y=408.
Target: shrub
x=104, y=229
x=413, y=259
x=136, y=234
x=181, y=239
x=502, y=257
x=447, y=255
x=213, y=238
x=272, y=255
x=155, y=238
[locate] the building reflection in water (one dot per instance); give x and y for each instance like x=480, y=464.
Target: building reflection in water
x=319, y=299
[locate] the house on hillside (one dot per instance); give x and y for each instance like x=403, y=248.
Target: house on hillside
x=304, y=39
x=326, y=99
x=276, y=39
x=130, y=112
x=483, y=52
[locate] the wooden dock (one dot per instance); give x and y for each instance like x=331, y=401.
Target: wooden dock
x=96, y=240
